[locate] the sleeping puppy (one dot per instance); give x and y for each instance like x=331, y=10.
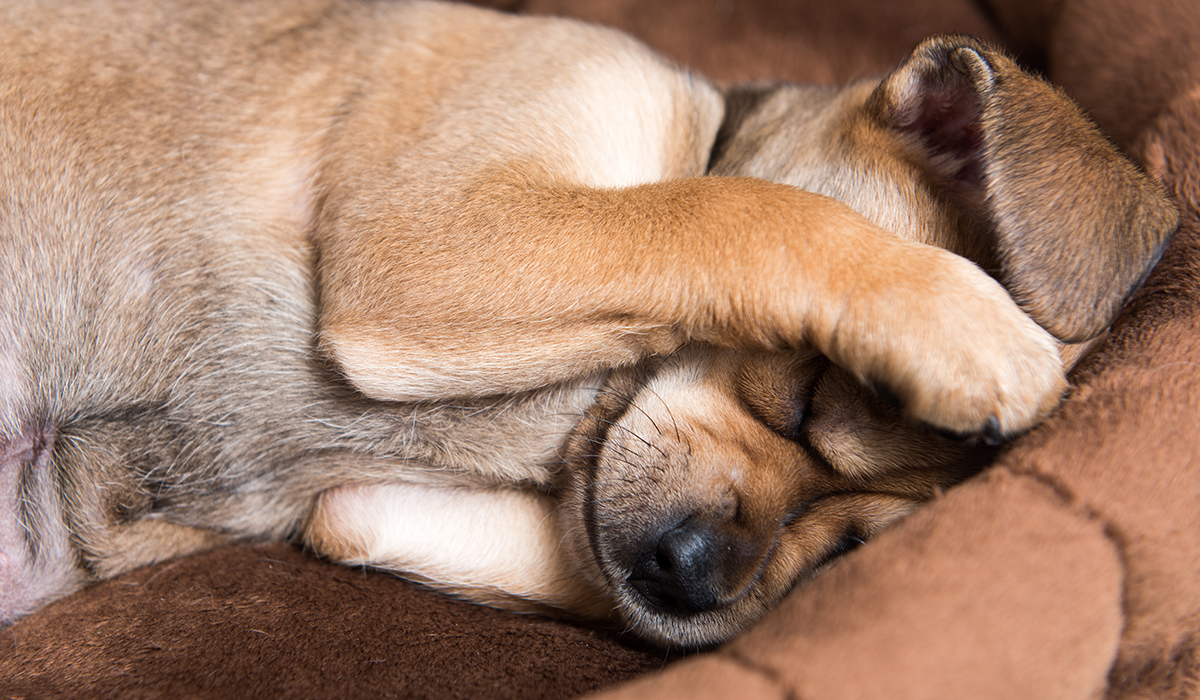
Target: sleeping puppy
x=450, y=292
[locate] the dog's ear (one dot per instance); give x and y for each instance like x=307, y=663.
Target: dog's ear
x=1077, y=226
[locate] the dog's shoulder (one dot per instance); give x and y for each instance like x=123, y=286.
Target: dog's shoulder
x=570, y=99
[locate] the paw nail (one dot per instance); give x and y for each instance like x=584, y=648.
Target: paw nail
x=885, y=394
x=952, y=435
x=991, y=434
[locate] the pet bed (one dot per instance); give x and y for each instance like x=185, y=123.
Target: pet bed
x=1070, y=569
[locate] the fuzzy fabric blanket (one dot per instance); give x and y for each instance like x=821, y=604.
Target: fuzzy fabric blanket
x=1070, y=569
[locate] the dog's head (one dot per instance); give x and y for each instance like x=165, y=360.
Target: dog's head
x=704, y=486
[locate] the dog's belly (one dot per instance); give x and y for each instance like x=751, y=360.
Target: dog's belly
x=174, y=361
x=175, y=358
x=159, y=317
x=156, y=301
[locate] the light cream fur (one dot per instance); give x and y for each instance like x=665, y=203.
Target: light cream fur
x=501, y=546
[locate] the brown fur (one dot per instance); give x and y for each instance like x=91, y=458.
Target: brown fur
x=534, y=319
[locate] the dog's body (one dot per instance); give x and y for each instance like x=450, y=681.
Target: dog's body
x=448, y=291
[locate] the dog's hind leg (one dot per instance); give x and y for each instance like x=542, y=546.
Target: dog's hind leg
x=497, y=546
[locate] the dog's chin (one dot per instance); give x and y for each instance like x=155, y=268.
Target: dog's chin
x=679, y=629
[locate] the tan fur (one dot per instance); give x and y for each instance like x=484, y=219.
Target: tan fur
x=525, y=323
x=448, y=291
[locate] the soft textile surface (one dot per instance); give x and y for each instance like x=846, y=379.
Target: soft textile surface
x=1069, y=570
x=270, y=621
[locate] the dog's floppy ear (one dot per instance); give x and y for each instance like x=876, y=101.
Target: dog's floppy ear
x=1077, y=226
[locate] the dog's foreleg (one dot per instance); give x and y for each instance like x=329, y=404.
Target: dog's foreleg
x=498, y=546
x=522, y=282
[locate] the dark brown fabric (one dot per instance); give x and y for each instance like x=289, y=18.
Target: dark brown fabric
x=1070, y=570
x=269, y=621
x=811, y=41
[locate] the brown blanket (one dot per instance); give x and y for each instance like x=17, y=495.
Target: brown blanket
x=1069, y=570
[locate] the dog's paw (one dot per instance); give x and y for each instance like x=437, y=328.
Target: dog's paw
x=950, y=345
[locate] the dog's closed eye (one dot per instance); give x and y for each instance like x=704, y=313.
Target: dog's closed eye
x=849, y=541
x=778, y=390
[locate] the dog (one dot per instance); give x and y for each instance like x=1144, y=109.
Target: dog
x=514, y=306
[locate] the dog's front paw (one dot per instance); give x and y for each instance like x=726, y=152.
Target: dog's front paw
x=954, y=349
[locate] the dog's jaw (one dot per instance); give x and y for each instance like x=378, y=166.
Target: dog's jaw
x=698, y=510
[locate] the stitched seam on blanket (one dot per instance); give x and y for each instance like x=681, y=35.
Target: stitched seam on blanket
x=770, y=674
x=1122, y=684
x=1076, y=504
x=1069, y=498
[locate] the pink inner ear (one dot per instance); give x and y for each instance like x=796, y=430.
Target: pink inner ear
x=940, y=108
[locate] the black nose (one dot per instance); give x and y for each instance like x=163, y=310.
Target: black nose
x=680, y=572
